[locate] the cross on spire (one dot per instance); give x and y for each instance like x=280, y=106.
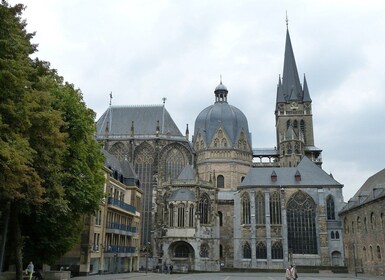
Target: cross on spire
x=110, y=97
x=287, y=21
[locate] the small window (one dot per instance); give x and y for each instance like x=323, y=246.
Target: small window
x=220, y=182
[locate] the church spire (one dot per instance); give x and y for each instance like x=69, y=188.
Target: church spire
x=306, y=94
x=291, y=86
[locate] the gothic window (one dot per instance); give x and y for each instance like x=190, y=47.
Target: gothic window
x=332, y=236
x=337, y=235
x=204, y=252
x=144, y=160
x=378, y=252
x=288, y=124
x=277, y=251
x=295, y=124
x=220, y=181
x=245, y=201
x=246, y=251
x=364, y=254
x=260, y=208
x=181, y=215
x=175, y=161
x=118, y=150
x=191, y=216
x=220, y=215
x=352, y=226
x=296, y=148
x=224, y=142
x=171, y=213
x=358, y=224
x=330, y=208
x=275, y=209
x=242, y=178
x=261, y=250
x=365, y=225
x=204, y=208
x=302, y=127
x=181, y=251
x=289, y=149
x=372, y=220
x=216, y=142
x=301, y=220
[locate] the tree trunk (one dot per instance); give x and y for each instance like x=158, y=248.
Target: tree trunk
x=17, y=240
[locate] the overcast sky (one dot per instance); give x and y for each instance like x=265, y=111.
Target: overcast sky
x=142, y=51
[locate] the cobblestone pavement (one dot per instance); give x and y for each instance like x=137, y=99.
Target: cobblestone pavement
x=226, y=276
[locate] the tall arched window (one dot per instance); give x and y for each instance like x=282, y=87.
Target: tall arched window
x=175, y=161
x=378, y=252
x=330, y=208
x=220, y=215
x=261, y=251
x=302, y=127
x=364, y=254
x=371, y=253
x=289, y=149
x=365, y=225
x=275, y=209
x=277, y=251
x=246, y=251
x=260, y=213
x=181, y=215
x=171, y=213
x=288, y=123
x=245, y=201
x=191, y=216
x=358, y=224
x=295, y=124
x=301, y=220
x=373, y=220
x=337, y=235
x=220, y=181
x=204, y=208
x=204, y=252
x=144, y=164
x=332, y=235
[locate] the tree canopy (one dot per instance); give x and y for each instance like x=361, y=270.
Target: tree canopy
x=50, y=163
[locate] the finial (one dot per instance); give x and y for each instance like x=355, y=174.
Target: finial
x=220, y=77
x=164, y=100
x=287, y=21
x=110, y=97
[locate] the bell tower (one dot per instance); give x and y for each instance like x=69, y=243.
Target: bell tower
x=293, y=115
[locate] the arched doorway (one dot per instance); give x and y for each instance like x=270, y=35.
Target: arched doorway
x=181, y=255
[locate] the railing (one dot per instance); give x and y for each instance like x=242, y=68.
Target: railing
x=111, y=225
x=119, y=249
x=121, y=204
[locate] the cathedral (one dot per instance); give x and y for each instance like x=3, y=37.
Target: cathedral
x=216, y=202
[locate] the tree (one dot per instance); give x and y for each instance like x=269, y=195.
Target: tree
x=50, y=164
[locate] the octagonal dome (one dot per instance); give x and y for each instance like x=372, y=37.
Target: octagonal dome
x=221, y=115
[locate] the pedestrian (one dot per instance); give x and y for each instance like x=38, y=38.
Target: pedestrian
x=171, y=267
x=29, y=270
x=294, y=272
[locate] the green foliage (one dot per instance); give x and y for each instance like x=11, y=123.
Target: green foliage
x=50, y=163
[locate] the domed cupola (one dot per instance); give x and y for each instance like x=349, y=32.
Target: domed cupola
x=221, y=125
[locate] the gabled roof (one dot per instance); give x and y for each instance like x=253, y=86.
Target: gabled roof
x=121, y=167
x=118, y=120
x=182, y=195
x=311, y=176
x=187, y=174
x=372, y=189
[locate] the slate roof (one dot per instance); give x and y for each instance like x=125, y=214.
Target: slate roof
x=289, y=87
x=372, y=189
x=187, y=174
x=119, y=120
x=311, y=176
x=122, y=167
x=182, y=195
x=222, y=115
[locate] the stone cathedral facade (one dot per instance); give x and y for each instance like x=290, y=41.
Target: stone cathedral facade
x=215, y=201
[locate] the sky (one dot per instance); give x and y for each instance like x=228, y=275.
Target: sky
x=142, y=51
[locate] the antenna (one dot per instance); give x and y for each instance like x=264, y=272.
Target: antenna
x=287, y=21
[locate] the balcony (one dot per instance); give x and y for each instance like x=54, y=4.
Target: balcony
x=122, y=205
x=120, y=250
x=121, y=229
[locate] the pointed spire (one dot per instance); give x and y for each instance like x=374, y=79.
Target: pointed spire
x=306, y=94
x=291, y=86
x=187, y=132
x=280, y=97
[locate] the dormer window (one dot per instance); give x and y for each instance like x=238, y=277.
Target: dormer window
x=273, y=176
x=297, y=176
